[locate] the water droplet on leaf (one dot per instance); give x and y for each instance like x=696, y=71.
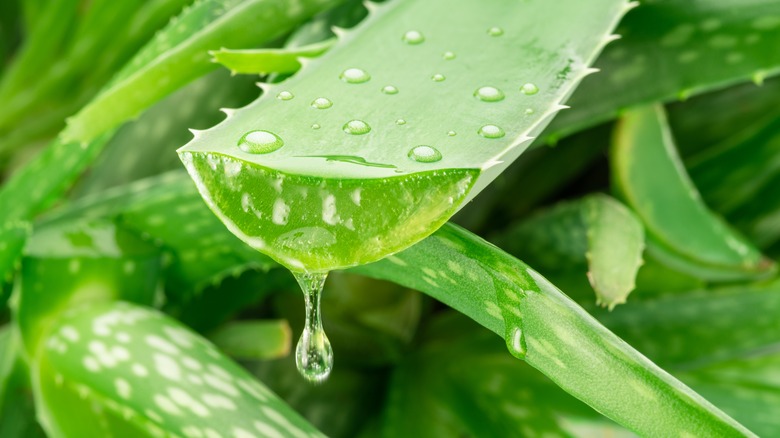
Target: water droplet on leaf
x=260, y=142
x=515, y=342
x=529, y=89
x=413, y=37
x=424, y=154
x=495, y=31
x=529, y=111
x=285, y=95
x=354, y=76
x=489, y=94
x=491, y=131
x=315, y=126
x=356, y=127
x=313, y=354
x=438, y=77
x=321, y=103
x=400, y=122
x=452, y=133
x=389, y=89
x=448, y=56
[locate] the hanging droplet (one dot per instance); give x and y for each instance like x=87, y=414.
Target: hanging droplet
x=495, y=31
x=389, y=89
x=529, y=89
x=424, y=154
x=321, y=103
x=313, y=354
x=413, y=37
x=285, y=95
x=448, y=56
x=400, y=122
x=489, y=94
x=315, y=126
x=491, y=131
x=354, y=76
x=515, y=342
x=260, y=142
x=438, y=77
x=356, y=127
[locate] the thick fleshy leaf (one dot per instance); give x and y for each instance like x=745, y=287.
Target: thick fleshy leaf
x=384, y=151
x=682, y=231
x=675, y=48
x=118, y=369
x=553, y=334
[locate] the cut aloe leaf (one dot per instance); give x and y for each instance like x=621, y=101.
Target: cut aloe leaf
x=264, y=61
x=596, y=233
x=385, y=152
x=118, y=369
x=554, y=335
x=77, y=263
x=682, y=231
x=672, y=49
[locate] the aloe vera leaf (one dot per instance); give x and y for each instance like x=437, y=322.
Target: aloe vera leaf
x=17, y=414
x=148, y=376
x=553, y=334
x=254, y=340
x=179, y=54
x=145, y=147
x=12, y=238
x=402, y=191
x=264, y=61
x=673, y=49
x=596, y=233
x=77, y=263
x=681, y=230
x=683, y=332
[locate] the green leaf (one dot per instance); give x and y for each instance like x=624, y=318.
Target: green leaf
x=254, y=340
x=77, y=263
x=673, y=48
x=118, y=369
x=682, y=231
x=596, y=233
x=554, y=335
x=12, y=238
x=264, y=61
x=17, y=413
x=364, y=140
x=179, y=54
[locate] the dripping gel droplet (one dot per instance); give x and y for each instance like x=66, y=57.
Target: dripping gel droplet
x=260, y=142
x=354, y=76
x=313, y=355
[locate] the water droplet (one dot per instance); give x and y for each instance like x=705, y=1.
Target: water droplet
x=315, y=126
x=354, y=76
x=321, y=103
x=356, y=127
x=285, y=95
x=489, y=94
x=515, y=341
x=389, y=89
x=452, y=133
x=495, y=31
x=529, y=111
x=491, y=131
x=400, y=122
x=413, y=37
x=438, y=77
x=424, y=154
x=313, y=354
x=529, y=89
x=448, y=56
x=260, y=142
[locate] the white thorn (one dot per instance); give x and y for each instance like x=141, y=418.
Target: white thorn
x=340, y=32
x=263, y=86
x=370, y=6
x=304, y=61
x=228, y=111
x=589, y=71
x=613, y=37
x=561, y=107
x=631, y=5
x=195, y=133
x=491, y=163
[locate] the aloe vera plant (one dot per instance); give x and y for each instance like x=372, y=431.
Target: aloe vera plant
x=631, y=278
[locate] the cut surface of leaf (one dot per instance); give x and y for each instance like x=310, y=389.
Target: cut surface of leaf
x=118, y=369
x=432, y=131
x=682, y=231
